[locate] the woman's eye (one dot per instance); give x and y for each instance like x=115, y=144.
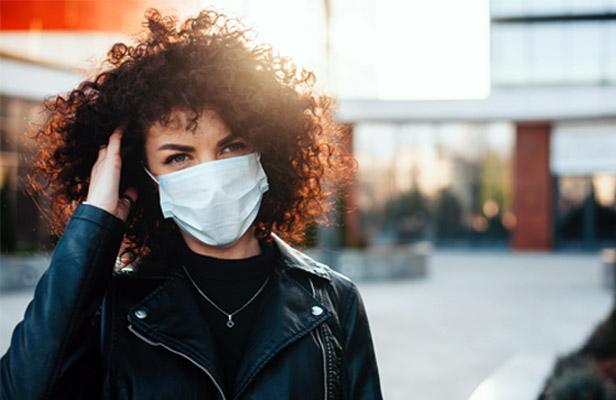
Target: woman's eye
x=176, y=158
x=234, y=147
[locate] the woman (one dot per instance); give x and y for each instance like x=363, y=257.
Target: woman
x=186, y=154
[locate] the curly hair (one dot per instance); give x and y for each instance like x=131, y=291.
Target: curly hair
x=207, y=62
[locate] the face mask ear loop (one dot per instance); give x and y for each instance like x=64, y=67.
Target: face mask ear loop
x=149, y=173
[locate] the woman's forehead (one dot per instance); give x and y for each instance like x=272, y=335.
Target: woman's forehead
x=181, y=123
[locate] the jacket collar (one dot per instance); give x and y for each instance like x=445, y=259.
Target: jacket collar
x=295, y=259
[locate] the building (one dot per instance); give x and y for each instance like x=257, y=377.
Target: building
x=531, y=166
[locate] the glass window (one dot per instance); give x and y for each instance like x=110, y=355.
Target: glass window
x=444, y=182
x=590, y=6
x=16, y=151
x=582, y=159
x=508, y=8
x=586, y=210
x=503, y=8
x=583, y=147
x=547, y=7
x=546, y=53
x=584, y=52
x=509, y=62
x=608, y=52
x=554, y=53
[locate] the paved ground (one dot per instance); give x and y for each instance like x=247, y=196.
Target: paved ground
x=437, y=338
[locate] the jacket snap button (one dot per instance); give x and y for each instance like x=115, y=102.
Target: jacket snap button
x=316, y=310
x=141, y=314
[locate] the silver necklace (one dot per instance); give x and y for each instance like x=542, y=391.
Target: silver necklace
x=230, y=322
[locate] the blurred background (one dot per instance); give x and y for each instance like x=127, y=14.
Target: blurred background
x=482, y=220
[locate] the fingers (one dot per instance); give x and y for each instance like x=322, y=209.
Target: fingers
x=115, y=141
x=113, y=145
x=105, y=179
x=102, y=152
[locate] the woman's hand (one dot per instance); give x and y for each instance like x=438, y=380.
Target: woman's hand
x=104, y=187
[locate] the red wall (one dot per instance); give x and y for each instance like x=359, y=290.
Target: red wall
x=533, y=197
x=79, y=15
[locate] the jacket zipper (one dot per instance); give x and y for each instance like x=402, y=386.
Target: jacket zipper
x=134, y=332
x=323, y=351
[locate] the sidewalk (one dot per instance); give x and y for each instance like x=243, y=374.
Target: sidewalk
x=439, y=337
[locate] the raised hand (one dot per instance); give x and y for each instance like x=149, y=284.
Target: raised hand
x=104, y=190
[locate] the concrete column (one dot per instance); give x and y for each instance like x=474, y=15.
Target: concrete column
x=533, y=191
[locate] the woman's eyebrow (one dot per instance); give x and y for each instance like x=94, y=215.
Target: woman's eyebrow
x=175, y=146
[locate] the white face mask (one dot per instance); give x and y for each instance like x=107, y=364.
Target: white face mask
x=214, y=202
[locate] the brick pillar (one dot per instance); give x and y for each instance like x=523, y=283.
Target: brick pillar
x=351, y=215
x=533, y=191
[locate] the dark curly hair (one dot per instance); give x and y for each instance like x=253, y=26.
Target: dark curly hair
x=207, y=62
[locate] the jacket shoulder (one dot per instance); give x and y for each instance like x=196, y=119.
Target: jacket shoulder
x=300, y=262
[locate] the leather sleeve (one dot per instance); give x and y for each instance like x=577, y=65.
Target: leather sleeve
x=50, y=349
x=359, y=350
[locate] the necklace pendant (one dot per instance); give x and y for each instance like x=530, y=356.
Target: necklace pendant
x=230, y=324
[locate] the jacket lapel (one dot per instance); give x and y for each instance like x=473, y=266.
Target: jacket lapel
x=286, y=315
x=174, y=319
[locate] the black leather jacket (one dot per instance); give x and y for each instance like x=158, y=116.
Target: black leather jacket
x=92, y=334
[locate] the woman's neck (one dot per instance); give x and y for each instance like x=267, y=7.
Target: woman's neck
x=247, y=246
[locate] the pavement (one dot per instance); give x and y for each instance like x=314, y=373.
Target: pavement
x=440, y=337
x=474, y=314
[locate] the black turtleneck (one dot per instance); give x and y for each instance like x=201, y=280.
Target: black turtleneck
x=230, y=284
